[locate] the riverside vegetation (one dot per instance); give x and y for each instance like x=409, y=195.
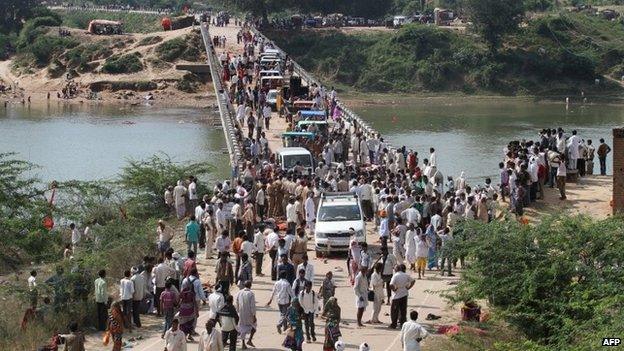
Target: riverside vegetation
x=122, y=214
x=555, y=54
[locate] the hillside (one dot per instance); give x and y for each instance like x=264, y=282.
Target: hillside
x=49, y=59
x=552, y=55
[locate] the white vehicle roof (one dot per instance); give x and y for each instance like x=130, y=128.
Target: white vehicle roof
x=338, y=199
x=272, y=77
x=288, y=151
x=271, y=51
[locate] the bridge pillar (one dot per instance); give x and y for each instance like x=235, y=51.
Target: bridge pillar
x=618, y=171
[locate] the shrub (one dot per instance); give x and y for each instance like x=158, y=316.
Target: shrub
x=559, y=282
x=129, y=63
x=171, y=50
x=150, y=40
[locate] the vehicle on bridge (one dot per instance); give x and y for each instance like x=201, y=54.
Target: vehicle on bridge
x=320, y=128
x=296, y=139
x=272, y=82
x=336, y=214
x=312, y=115
x=271, y=99
x=302, y=105
x=295, y=159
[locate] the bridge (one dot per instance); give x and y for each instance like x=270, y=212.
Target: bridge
x=278, y=125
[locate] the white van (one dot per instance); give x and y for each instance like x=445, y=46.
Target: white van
x=288, y=158
x=336, y=214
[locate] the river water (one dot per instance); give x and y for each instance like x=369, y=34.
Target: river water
x=94, y=142
x=469, y=133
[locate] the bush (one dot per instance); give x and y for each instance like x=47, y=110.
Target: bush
x=80, y=56
x=151, y=40
x=558, y=282
x=129, y=63
x=171, y=50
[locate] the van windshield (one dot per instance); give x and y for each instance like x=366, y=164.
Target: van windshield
x=339, y=213
x=290, y=161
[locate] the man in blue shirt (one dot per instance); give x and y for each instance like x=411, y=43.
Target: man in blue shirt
x=192, y=234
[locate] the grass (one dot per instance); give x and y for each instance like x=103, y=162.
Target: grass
x=133, y=22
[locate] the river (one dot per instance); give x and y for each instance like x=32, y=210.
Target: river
x=93, y=142
x=469, y=133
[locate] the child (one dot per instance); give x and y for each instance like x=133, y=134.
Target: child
x=328, y=287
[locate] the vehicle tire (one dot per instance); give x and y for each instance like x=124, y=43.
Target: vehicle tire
x=319, y=254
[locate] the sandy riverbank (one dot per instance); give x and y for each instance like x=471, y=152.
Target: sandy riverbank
x=125, y=89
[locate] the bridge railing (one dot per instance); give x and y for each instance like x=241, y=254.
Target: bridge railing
x=226, y=110
x=358, y=122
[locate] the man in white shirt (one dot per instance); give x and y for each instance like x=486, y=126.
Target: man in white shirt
x=223, y=243
x=310, y=211
x=240, y=115
x=307, y=267
x=216, y=301
x=261, y=201
x=291, y=215
x=411, y=216
x=400, y=284
x=180, y=202
x=192, y=192
x=309, y=303
x=211, y=338
x=266, y=112
x=220, y=219
x=140, y=287
x=433, y=159
x=175, y=339
x=126, y=290
x=271, y=242
x=283, y=290
x=32, y=281
x=412, y=333
x=259, y=248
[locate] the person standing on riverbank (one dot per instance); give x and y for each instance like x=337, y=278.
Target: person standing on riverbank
x=603, y=151
x=192, y=234
x=101, y=300
x=126, y=290
x=179, y=193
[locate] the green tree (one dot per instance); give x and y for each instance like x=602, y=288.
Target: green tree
x=14, y=12
x=494, y=18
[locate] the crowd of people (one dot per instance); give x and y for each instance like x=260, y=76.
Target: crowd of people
x=270, y=211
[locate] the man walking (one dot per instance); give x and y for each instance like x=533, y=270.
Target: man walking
x=282, y=289
x=126, y=290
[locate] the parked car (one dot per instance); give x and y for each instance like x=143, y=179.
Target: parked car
x=336, y=214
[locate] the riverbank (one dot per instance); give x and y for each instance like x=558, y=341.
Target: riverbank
x=127, y=69
x=551, y=55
